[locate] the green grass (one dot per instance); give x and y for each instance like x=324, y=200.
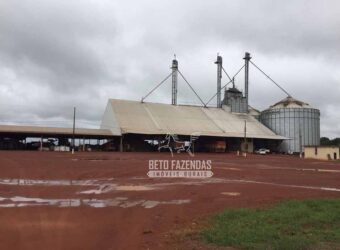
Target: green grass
x=287, y=225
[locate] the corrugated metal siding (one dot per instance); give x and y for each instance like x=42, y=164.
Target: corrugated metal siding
x=289, y=122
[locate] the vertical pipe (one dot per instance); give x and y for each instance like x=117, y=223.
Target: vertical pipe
x=219, y=79
x=246, y=77
x=174, y=81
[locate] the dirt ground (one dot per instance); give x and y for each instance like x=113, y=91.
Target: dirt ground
x=94, y=200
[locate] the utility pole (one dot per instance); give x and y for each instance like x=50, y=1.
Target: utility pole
x=74, y=128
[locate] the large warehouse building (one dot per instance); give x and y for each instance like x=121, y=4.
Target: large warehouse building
x=136, y=121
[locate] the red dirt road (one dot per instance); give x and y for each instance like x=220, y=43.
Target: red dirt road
x=106, y=201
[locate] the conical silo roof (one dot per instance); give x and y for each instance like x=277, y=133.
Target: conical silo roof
x=290, y=102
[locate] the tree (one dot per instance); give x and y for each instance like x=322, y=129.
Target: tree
x=324, y=141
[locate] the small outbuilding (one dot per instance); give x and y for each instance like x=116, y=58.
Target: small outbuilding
x=322, y=152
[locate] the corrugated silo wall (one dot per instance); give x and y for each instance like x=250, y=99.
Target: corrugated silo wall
x=237, y=103
x=287, y=122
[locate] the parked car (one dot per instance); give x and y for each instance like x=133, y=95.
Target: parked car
x=262, y=151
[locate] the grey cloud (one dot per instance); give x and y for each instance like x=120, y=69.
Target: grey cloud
x=58, y=54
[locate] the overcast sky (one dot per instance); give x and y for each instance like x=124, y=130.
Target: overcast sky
x=58, y=54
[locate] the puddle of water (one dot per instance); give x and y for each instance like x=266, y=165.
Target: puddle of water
x=127, y=204
x=123, y=202
x=190, y=181
x=221, y=180
x=299, y=169
x=103, y=185
x=286, y=185
x=31, y=182
x=329, y=170
x=121, y=198
x=101, y=190
x=108, y=188
x=176, y=202
x=151, y=204
x=231, y=193
x=330, y=189
x=134, y=188
x=7, y=205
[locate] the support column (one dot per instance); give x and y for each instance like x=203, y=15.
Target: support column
x=121, y=149
x=225, y=144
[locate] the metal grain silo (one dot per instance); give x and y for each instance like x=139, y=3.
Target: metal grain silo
x=295, y=120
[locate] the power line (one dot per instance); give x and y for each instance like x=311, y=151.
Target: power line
x=225, y=84
x=278, y=85
x=217, y=92
x=225, y=72
x=191, y=88
x=166, y=78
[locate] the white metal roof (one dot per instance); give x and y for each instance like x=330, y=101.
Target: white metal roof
x=36, y=130
x=155, y=118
